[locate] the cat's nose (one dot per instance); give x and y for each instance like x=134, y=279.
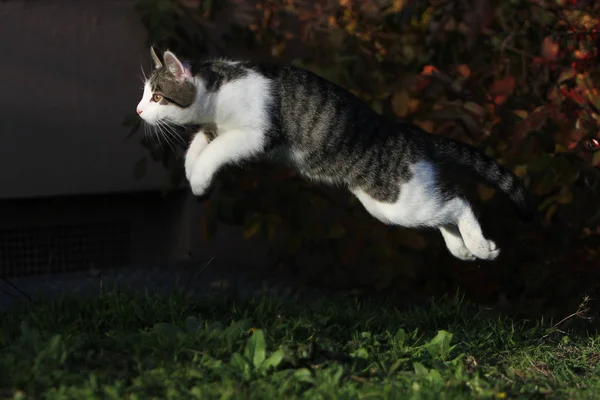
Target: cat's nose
x=139, y=111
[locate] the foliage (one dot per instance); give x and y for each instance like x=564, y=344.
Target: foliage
x=518, y=79
x=112, y=347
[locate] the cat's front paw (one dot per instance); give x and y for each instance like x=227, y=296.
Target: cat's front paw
x=200, y=182
x=189, y=167
x=196, y=147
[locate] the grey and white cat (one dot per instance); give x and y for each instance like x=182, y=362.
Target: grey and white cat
x=395, y=169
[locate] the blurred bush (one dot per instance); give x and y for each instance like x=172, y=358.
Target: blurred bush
x=518, y=79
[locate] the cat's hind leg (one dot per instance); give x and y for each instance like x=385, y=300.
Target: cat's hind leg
x=421, y=204
x=455, y=243
x=472, y=236
x=454, y=218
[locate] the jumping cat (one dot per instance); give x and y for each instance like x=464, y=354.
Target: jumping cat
x=394, y=169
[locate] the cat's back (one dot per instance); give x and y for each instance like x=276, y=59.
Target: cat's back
x=216, y=73
x=295, y=83
x=289, y=84
x=310, y=108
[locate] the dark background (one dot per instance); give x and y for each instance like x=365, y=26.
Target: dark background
x=516, y=79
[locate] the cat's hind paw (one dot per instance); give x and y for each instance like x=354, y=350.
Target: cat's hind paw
x=463, y=254
x=485, y=250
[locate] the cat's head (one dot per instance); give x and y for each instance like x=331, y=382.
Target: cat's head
x=170, y=92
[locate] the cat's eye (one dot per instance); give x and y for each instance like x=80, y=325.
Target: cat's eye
x=156, y=98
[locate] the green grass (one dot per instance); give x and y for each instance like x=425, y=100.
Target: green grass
x=142, y=347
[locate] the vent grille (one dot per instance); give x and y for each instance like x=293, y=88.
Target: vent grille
x=64, y=248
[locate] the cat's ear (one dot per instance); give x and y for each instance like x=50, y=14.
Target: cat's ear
x=176, y=67
x=155, y=59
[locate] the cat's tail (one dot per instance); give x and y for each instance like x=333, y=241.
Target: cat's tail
x=448, y=151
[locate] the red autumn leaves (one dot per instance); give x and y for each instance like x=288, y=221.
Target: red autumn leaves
x=500, y=90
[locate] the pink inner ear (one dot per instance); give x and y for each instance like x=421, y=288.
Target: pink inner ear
x=182, y=72
x=177, y=68
x=187, y=72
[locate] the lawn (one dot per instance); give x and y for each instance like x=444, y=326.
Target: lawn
x=142, y=347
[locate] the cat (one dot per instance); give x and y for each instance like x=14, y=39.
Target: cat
x=394, y=168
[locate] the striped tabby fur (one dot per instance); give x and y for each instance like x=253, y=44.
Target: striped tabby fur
x=329, y=135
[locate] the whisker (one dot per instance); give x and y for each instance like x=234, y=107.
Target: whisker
x=174, y=134
x=154, y=135
x=169, y=128
x=179, y=136
x=177, y=139
x=147, y=134
x=164, y=134
x=143, y=73
x=170, y=143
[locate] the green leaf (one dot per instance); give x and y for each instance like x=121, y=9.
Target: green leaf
x=215, y=327
x=338, y=371
x=439, y=346
x=256, y=348
x=435, y=377
x=400, y=338
x=304, y=375
x=237, y=329
x=240, y=362
x=274, y=360
x=420, y=370
x=360, y=353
